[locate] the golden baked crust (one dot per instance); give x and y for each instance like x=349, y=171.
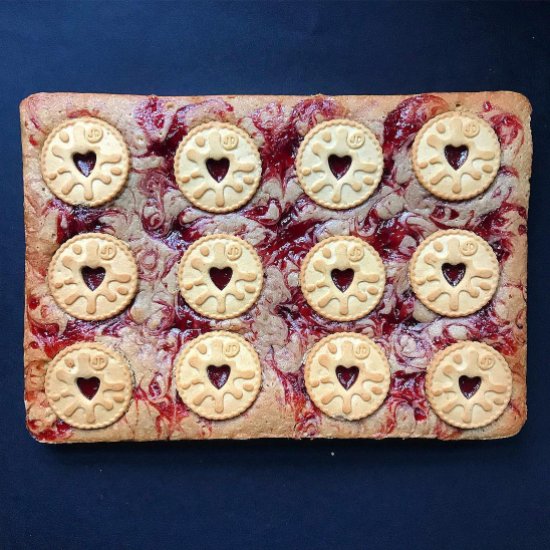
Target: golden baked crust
x=153, y=217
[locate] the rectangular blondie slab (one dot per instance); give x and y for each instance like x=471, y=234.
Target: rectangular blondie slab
x=282, y=223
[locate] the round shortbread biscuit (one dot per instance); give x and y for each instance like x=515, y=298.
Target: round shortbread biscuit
x=469, y=384
x=112, y=261
x=456, y=156
x=454, y=272
x=342, y=278
x=85, y=161
x=218, y=375
x=347, y=375
x=220, y=276
x=339, y=164
x=218, y=167
x=89, y=385
x=355, y=149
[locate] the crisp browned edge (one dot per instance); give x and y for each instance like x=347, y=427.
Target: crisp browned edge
x=513, y=102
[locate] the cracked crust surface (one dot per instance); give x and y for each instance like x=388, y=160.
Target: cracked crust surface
x=282, y=224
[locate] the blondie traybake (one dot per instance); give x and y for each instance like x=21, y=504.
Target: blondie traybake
x=275, y=266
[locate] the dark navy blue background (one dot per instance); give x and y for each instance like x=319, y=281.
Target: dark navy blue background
x=323, y=494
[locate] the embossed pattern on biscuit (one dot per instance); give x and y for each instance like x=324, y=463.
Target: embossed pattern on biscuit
x=218, y=167
x=469, y=384
x=97, y=252
x=220, y=276
x=342, y=298
x=456, y=155
x=476, y=272
x=89, y=385
x=85, y=161
x=339, y=164
x=218, y=375
x=347, y=375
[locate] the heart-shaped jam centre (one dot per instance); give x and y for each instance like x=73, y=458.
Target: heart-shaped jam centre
x=218, y=376
x=217, y=168
x=221, y=277
x=88, y=386
x=347, y=376
x=453, y=273
x=342, y=278
x=92, y=276
x=456, y=156
x=469, y=386
x=85, y=163
x=339, y=165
